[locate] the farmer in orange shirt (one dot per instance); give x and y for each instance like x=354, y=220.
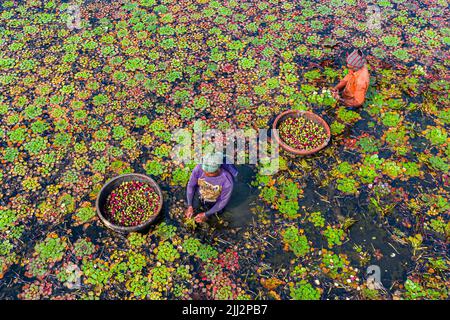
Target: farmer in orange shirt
x=354, y=85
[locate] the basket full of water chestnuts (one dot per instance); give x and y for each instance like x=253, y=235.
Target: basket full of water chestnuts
x=301, y=132
x=129, y=203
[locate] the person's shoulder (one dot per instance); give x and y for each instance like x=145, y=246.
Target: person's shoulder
x=365, y=71
x=347, y=76
x=197, y=169
x=228, y=177
x=364, y=75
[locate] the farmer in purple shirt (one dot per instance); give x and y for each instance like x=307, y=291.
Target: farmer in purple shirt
x=213, y=182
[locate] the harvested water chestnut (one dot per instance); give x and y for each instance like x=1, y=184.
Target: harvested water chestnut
x=131, y=204
x=301, y=133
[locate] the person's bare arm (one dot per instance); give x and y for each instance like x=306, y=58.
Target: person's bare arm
x=341, y=85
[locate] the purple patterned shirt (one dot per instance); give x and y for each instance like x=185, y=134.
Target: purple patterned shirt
x=211, y=189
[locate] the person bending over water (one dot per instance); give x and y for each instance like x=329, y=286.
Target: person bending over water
x=212, y=184
x=355, y=84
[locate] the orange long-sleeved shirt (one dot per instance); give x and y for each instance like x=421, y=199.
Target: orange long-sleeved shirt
x=356, y=87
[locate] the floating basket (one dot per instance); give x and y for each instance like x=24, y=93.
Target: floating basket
x=295, y=114
x=114, y=183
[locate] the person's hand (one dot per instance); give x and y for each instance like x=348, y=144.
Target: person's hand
x=189, y=212
x=201, y=217
x=335, y=94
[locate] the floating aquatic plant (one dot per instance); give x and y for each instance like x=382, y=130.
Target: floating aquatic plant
x=304, y=291
x=296, y=241
x=104, y=100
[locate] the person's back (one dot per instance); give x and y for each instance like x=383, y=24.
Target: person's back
x=356, y=87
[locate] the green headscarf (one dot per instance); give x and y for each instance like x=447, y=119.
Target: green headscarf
x=212, y=162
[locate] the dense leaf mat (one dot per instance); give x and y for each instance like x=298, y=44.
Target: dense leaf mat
x=80, y=106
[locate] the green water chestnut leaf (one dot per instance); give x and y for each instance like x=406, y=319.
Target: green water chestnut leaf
x=436, y=135
x=165, y=231
x=337, y=127
x=368, y=144
x=304, y=291
x=296, y=241
x=289, y=208
x=84, y=214
x=347, y=116
x=334, y=236
x=347, y=185
x=316, y=219
x=391, y=119
x=439, y=164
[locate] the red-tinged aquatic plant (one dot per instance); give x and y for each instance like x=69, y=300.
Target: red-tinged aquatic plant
x=36, y=291
x=229, y=260
x=78, y=107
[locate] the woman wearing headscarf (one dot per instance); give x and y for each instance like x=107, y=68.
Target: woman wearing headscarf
x=353, y=88
x=213, y=182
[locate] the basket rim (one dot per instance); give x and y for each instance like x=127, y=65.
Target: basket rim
x=125, y=229
x=296, y=151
